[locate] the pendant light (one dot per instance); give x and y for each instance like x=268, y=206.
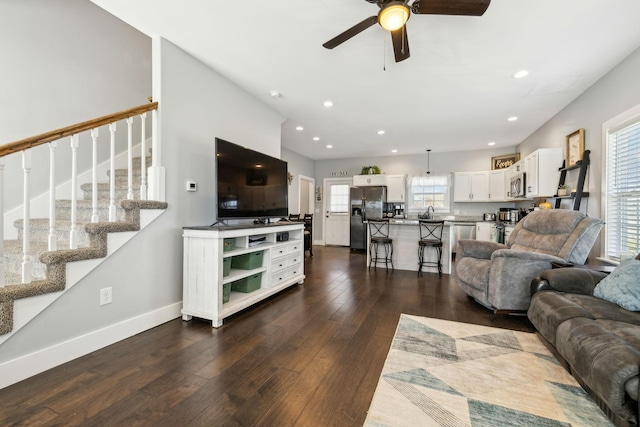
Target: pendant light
x=428, y=158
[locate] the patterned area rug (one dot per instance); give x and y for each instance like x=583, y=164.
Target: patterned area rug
x=443, y=373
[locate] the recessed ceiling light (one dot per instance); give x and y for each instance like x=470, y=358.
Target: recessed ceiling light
x=394, y=151
x=512, y=118
x=520, y=74
x=492, y=143
x=380, y=132
x=329, y=146
x=299, y=128
x=316, y=138
x=327, y=104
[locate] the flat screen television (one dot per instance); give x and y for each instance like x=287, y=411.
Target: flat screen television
x=250, y=184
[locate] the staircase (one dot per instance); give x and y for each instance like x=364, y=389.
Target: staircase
x=49, y=267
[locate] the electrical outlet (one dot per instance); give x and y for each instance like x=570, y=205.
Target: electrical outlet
x=105, y=296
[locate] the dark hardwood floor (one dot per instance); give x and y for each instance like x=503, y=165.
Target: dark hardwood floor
x=310, y=356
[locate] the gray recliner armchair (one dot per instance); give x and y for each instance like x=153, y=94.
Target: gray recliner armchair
x=498, y=276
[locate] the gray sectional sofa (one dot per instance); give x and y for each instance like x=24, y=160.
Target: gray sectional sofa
x=597, y=340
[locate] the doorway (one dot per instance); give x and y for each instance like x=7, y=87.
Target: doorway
x=306, y=186
x=336, y=208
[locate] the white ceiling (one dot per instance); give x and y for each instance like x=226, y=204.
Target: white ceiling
x=454, y=93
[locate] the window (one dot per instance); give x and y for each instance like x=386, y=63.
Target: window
x=339, y=198
x=621, y=187
x=425, y=191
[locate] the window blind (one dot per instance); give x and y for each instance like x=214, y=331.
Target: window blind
x=622, y=229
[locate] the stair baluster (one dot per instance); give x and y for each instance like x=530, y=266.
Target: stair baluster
x=112, y=173
x=52, y=243
x=26, y=214
x=94, y=176
x=130, y=158
x=143, y=158
x=73, y=232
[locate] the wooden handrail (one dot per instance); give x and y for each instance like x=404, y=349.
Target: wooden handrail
x=34, y=141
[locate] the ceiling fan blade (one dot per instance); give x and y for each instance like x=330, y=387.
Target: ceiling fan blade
x=355, y=30
x=400, y=43
x=450, y=7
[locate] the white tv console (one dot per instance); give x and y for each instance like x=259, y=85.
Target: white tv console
x=202, y=287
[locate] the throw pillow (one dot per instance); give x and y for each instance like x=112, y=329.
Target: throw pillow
x=622, y=286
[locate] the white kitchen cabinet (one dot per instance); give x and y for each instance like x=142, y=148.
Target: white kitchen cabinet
x=396, y=185
x=204, y=261
x=541, y=168
x=498, y=185
x=483, y=231
x=369, y=180
x=471, y=186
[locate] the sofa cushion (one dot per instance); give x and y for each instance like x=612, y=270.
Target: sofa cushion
x=603, y=359
x=622, y=286
x=549, y=309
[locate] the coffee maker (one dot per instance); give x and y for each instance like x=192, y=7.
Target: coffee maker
x=503, y=215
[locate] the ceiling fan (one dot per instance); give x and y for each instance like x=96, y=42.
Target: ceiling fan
x=394, y=14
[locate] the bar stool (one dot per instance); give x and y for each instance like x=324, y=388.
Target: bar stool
x=430, y=237
x=379, y=235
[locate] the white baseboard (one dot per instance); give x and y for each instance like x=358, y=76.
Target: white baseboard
x=29, y=365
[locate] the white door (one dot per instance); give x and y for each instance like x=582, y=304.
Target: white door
x=306, y=187
x=336, y=207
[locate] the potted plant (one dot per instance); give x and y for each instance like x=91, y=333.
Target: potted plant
x=563, y=190
x=370, y=170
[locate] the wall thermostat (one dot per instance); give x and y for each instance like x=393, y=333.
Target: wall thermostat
x=192, y=186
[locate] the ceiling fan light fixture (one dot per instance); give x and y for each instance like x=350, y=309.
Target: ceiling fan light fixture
x=393, y=16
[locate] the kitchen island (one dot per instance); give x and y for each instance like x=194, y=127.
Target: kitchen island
x=406, y=234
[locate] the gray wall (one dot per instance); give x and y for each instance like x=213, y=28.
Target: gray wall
x=197, y=105
x=616, y=92
x=64, y=62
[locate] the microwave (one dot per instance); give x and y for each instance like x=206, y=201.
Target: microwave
x=518, y=186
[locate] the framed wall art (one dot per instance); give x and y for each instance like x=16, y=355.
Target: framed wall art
x=504, y=161
x=575, y=148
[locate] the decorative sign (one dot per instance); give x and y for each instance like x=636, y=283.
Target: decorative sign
x=340, y=173
x=503, y=162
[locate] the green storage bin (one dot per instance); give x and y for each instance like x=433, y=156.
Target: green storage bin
x=228, y=244
x=226, y=266
x=247, y=284
x=226, y=292
x=247, y=261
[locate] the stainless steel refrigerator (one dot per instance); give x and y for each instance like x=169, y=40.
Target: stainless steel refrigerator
x=366, y=203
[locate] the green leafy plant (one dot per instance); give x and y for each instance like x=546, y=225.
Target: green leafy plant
x=370, y=170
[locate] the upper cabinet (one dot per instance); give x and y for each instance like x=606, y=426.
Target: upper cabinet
x=471, y=186
x=498, y=186
x=541, y=168
x=368, y=180
x=396, y=185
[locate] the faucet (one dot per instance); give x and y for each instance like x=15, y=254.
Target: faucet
x=430, y=216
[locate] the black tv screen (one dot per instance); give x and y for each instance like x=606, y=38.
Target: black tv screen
x=250, y=184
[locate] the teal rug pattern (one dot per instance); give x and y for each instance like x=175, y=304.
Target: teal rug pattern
x=452, y=374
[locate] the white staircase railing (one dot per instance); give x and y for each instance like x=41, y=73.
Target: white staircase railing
x=74, y=132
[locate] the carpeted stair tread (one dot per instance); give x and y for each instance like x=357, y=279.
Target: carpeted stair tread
x=48, y=269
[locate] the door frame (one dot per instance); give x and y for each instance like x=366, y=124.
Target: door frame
x=325, y=186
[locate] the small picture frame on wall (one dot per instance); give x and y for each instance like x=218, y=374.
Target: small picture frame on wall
x=504, y=161
x=575, y=148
